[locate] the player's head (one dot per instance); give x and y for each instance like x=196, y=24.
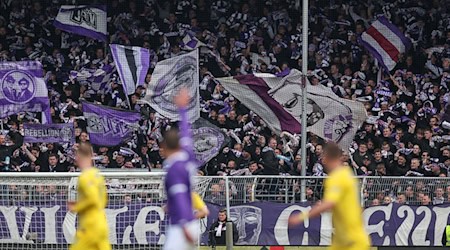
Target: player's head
x=331, y=156
x=84, y=155
x=171, y=141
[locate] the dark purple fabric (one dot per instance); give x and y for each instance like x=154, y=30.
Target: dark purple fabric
x=49, y=133
x=264, y=223
x=109, y=126
x=287, y=121
x=80, y=31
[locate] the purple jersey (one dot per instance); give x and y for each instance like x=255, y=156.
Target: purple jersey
x=180, y=168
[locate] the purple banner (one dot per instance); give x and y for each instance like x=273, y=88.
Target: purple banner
x=109, y=126
x=22, y=88
x=259, y=223
x=50, y=133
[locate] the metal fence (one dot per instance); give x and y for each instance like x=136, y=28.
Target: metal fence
x=286, y=189
x=30, y=193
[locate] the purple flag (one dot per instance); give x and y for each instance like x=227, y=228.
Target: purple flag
x=132, y=63
x=50, y=133
x=109, y=126
x=22, y=88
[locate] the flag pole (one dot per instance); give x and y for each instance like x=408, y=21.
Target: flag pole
x=304, y=95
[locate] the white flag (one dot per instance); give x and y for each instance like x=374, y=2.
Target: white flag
x=277, y=100
x=83, y=20
x=168, y=78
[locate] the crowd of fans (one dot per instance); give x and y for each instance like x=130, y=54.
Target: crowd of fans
x=407, y=133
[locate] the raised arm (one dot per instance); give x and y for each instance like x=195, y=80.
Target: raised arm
x=182, y=101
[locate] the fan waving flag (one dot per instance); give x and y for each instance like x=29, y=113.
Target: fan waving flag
x=132, y=63
x=277, y=100
x=168, y=78
x=109, y=126
x=385, y=42
x=83, y=20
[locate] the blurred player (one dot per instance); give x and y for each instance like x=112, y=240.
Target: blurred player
x=342, y=199
x=181, y=166
x=199, y=206
x=92, y=233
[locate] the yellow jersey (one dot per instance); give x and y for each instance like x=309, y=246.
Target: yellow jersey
x=92, y=200
x=341, y=188
x=197, y=202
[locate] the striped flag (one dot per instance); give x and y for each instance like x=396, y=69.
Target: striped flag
x=277, y=100
x=385, y=42
x=132, y=64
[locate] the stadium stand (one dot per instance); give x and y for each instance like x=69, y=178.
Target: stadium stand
x=407, y=132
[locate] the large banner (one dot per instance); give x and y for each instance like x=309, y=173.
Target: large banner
x=168, y=78
x=49, y=133
x=264, y=223
x=22, y=88
x=109, y=126
x=278, y=101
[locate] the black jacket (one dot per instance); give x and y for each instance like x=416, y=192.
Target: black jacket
x=270, y=162
x=221, y=241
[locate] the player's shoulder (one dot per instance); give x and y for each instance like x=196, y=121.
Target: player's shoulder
x=341, y=174
x=90, y=173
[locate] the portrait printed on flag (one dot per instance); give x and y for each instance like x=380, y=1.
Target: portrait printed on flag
x=169, y=77
x=180, y=76
x=319, y=108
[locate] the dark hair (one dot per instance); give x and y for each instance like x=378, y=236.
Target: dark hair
x=171, y=138
x=332, y=151
x=53, y=155
x=223, y=210
x=84, y=149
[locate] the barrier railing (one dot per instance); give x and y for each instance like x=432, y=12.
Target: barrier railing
x=33, y=210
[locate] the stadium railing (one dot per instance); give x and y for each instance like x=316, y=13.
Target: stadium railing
x=33, y=213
